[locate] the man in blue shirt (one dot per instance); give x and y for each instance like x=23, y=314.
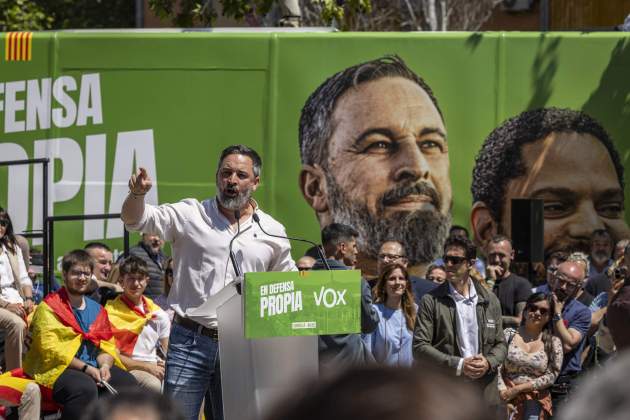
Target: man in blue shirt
x=571, y=322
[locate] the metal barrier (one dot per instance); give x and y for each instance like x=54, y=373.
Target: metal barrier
x=50, y=228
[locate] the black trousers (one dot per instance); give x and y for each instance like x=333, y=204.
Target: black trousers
x=75, y=390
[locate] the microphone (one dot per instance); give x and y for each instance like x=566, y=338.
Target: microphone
x=320, y=252
x=237, y=268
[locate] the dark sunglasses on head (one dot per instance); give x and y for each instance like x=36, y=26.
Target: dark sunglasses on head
x=453, y=259
x=534, y=308
x=168, y=272
x=4, y=222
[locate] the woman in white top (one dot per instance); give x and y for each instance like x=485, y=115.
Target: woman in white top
x=390, y=343
x=16, y=293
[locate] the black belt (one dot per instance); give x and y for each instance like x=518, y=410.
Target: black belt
x=191, y=325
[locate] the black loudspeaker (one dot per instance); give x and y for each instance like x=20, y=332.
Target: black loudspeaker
x=528, y=226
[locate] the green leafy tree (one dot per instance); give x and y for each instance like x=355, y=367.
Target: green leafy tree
x=25, y=15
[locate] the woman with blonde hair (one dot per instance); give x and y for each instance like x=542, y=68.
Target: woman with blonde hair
x=390, y=343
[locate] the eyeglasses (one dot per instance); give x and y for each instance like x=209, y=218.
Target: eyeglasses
x=390, y=257
x=168, y=271
x=4, y=222
x=534, y=308
x=79, y=273
x=453, y=259
x=564, y=280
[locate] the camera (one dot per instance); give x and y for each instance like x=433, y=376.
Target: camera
x=620, y=272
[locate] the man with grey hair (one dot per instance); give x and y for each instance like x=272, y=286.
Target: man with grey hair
x=571, y=321
x=201, y=234
x=375, y=156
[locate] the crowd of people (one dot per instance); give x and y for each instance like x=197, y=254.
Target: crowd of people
x=523, y=343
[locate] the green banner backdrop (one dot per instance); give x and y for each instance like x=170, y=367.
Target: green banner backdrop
x=102, y=103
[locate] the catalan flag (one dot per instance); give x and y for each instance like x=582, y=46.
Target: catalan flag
x=18, y=46
x=14, y=383
x=128, y=321
x=57, y=337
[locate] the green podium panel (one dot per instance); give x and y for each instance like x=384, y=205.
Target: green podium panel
x=302, y=303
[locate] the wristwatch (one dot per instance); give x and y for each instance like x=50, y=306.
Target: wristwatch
x=84, y=368
x=557, y=317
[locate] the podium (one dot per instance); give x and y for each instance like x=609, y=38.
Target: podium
x=255, y=374
x=268, y=335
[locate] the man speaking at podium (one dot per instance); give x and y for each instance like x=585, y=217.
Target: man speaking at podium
x=200, y=234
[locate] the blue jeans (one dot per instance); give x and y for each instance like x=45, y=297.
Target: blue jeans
x=192, y=373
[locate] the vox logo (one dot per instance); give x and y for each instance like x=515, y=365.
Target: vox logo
x=330, y=297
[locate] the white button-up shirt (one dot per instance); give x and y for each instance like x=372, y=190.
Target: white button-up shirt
x=200, y=236
x=467, y=327
x=7, y=282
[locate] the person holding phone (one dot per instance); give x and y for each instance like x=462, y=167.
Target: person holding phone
x=533, y=362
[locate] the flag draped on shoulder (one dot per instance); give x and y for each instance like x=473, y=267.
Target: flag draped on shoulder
x=57, y=337
x=14, y=383
x=128, y=320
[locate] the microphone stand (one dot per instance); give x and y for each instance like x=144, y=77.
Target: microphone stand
x=320, y=252
x=237, y=268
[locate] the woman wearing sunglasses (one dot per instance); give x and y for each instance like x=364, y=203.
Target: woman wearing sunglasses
x=533, y=362
x=390, y=343
x=16, y=293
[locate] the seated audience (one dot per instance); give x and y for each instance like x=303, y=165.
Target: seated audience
x=390, y=343
x=436, y=274
x=532, y=363
x=72, y=350
x=16, y=295
x=139, y=325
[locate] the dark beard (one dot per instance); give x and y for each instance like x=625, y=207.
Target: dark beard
x=422, y=232
x=234, y=203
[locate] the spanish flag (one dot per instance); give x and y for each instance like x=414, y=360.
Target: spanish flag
x=128, y=321
x=14, y=383
x=57, y=337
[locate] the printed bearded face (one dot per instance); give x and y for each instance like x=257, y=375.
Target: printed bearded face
x=388, y=168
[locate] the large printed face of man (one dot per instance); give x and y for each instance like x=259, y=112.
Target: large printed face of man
x=574, y=174
x=388, y=169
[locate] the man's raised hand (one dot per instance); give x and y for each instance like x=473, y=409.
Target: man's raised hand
x=140, y=183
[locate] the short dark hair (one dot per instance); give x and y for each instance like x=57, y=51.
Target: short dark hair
x=435, y=266
x=602, y=233
x=76, y=257
x=133, y=265
x=500, y=238
x=501, y=159
x=458, y=242
x=241, y=149
x=96, y=245
x=133, y=399
x=315, y=121
x=335, y=233
x=458, y=227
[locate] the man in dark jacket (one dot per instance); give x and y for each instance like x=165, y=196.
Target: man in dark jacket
x=345, y=350
x=459, y=323
x=150, y=250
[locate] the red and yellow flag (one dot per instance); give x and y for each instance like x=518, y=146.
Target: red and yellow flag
x=57, y=337
x=18, y=46
x=128, y=321
x=14, y=383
